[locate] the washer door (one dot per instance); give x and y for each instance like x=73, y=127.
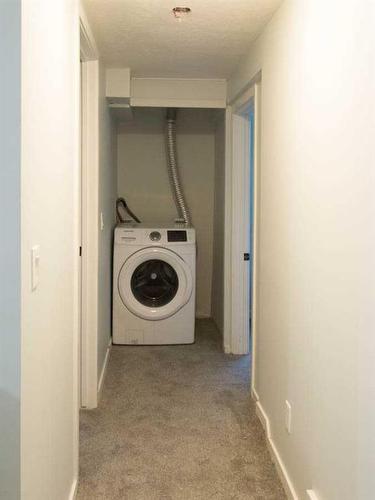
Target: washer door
x=155, y=283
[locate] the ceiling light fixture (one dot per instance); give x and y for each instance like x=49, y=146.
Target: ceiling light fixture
x=180, y=12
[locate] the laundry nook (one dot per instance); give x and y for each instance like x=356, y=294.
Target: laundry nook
x=166, y=162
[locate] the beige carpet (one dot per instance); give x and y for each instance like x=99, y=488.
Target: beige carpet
x=176, y=423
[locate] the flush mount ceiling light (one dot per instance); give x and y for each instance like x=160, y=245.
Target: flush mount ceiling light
x=180, y=12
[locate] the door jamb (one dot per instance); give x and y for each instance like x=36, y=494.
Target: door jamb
x=237, y=217
x=89, y=211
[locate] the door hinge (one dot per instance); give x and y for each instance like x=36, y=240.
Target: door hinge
x=246, y=256
x=80, y=251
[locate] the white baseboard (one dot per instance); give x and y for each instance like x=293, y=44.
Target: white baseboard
x=104, y=369
x=73, y=489
x=254, y=394
x=311, y=495
x=280, y=467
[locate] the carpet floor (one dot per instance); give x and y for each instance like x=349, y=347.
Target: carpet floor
x=176, y=423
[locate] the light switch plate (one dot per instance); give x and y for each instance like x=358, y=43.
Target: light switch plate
x=35, y=263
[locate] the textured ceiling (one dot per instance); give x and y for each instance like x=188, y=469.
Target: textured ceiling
x=145, y=36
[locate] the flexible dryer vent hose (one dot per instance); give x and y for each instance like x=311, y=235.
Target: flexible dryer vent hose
x=173, y=173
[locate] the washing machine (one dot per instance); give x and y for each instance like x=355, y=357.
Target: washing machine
x=154, y=284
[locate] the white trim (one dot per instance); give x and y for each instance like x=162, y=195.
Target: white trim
x=254, y=394
x=244, y=89
x=104, y=369
x=226, y=348
x=89, y=206
x=311, y=495
x=88, y=48
x=73, y=489
x=241, y=105
x=77, y=274
x=90, y=232
x=237, y=217
x=256, y=232
x=227, y=333
x=280, y=467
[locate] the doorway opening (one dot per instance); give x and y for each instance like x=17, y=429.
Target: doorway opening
x=155, y=395
x=219, y=149
x=242, y=223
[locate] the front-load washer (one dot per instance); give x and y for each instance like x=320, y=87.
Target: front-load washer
x=154, y=284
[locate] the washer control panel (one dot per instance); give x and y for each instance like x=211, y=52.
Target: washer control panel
x=138, y=234
x=155, y=236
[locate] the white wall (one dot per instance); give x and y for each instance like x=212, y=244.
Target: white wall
x=316, y=271
x=219, y=219
x=49, y=183
x=143, y=178
x=107, y=200
x=10, y=268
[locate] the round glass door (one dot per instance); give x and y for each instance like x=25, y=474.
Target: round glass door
x=154, y=283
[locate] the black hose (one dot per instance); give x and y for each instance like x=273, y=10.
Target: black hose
x=122, y=202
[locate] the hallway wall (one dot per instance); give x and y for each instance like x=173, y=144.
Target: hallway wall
x=10, y=266
x=315, y=342
x=49, y=208
x=143, y=178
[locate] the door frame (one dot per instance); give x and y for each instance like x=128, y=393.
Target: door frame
x=237, y=217
x=89, y=207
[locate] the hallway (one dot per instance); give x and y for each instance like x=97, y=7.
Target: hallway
x=176, y=422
